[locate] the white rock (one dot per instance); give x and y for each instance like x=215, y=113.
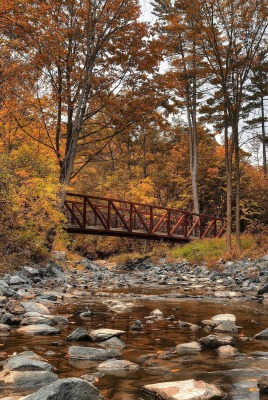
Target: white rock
x=224, y=317
x=184, y=390
x=99, y=335
x=191, y=347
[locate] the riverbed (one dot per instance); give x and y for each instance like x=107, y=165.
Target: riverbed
x=152, y=348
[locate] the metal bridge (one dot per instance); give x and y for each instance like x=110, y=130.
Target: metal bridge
x=111, y=217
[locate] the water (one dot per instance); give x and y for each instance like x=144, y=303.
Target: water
x=152, y=347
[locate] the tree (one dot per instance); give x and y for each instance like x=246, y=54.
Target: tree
x=76, y=57
x=231, y=33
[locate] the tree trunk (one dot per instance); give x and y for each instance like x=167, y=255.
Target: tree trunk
x=263, y=137
x=228, y=166
x=237, y=187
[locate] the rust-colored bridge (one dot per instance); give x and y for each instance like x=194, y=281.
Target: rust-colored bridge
x=103, y=216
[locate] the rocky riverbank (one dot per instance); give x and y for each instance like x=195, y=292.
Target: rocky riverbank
x=29, y=297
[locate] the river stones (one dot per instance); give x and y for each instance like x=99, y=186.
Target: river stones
x=99, y=335
x=191, y=347
x=210, y=341
x=78, y=334
x=27, y=379
x=136, y=326
x=113, y=343
x=38, y=329
x=184, y=390
x=226, y=326
x=30, y=306
x=114, y=364
x=227, y=351
x=66, y=389
x=21, y=363
x=34, y=318
x=4, y=329
x=26, y=370
x=224, y=317
x=263, y=335
x=263, y=384
x=92, y=353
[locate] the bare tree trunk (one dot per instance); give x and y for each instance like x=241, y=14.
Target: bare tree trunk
x=228, y=166
x=263, y=137
x=237, y=187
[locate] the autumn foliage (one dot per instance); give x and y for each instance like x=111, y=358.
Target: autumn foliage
x=86, y=106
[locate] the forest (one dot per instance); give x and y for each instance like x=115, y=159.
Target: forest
x=97, y=100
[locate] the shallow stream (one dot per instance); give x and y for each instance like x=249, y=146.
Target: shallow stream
x=237, y=376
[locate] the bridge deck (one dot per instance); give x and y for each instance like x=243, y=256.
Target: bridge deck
x=103, y=216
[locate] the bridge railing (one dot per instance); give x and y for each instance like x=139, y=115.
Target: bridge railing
x=101, y=215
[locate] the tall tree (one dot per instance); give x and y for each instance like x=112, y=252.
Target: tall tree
x=76, y=56
x=231, y=33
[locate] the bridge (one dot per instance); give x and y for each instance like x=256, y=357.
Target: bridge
x=111, y=217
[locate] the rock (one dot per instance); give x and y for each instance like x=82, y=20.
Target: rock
x=35, y=318
x=136, y=326
x=38, y=329
x=263, y=335
x=4, y=328
x=226, y=326
x=8, y=319
x=114, y=364
x=92, y=378
x=27, y=379
x=30, y=271
x=99, y=335
x=227, y=351
x=78, y=334
x=122, y=307
x=85, y=314
x=66, y=389
x=28, y=354
x=16, y=280
x=263, y=290
x=224, y=317
x=191, y=347
x=113, y=342
x=210, y=341
x=184, y=390
x=157, y=314
x=263, y=384
x=14, y=307
x=92, y=353
x=30, y=306
x=22, y=363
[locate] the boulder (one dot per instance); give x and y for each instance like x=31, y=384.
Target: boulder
x=98, y=335
x=30, y=306
x=4, y=328
x=263, y=289
x=210, y=341
x=227, y=351
x=224, y=317
x=191, y=347
x=113, y=342
x=30, y=271
x=78, y=334
x=67, y=389
x=136, y=326
x=16, y=280
x=26, y=379
x=184, y=390
x=263, y=384
x=38, y=329
x=114, y=364
x=92, y=353
x=226, y=326
x=22, y=363
x=262, y=335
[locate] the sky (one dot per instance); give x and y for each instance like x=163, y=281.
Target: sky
x=146, y=10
